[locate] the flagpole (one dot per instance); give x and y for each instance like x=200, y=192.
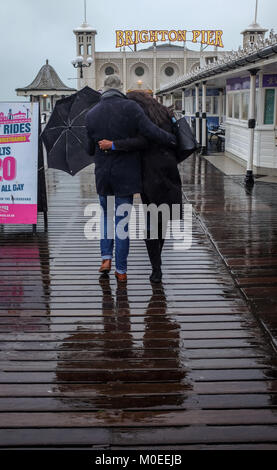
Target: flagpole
x=85, y=10
x=256, y=12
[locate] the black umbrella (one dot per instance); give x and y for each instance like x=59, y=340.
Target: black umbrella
x=65, y=135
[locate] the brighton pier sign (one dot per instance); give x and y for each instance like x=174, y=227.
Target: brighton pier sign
x=208, y=37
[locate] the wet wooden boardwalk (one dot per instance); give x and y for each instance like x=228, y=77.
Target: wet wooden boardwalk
x=85, y=362
x=242, y=225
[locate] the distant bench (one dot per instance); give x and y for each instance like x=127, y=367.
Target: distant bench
x=219, y=133
x=221, y=142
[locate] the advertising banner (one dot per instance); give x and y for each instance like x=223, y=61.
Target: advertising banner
x=18, y=162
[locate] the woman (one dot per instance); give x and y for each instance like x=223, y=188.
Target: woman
x=161, y=179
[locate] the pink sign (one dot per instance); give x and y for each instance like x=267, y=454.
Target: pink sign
x=18, y=163
x=12, y=213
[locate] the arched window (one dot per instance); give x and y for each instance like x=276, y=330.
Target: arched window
x=109, y=70
x=169, y=71
x=194, y=67
x=89, y=49
x=139, y=71
x=81, y=49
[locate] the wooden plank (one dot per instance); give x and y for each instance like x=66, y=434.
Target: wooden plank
x=99, y=437
x=136, y=336
x=45, y=355
x=119, y=389
x=153, y=344
x=141, y=363
x=161, y=402
x=114, y=418
x=156, y=328
x=137, y=375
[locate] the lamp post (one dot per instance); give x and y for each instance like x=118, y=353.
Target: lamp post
x=79, y=63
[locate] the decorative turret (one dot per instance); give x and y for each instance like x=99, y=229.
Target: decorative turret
x=46, y=88
x=85, y=48
x=254, y=33
x=47, y=81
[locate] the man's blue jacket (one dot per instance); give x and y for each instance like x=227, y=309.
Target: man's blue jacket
x=116, y=117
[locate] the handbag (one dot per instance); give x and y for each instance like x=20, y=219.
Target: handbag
x=186, y=142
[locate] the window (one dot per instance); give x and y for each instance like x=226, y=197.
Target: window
x=230, y=105
x=215, y=105
x=139, y=71
x=169, y=71
x=210, y=60
x=245, y=106
x=189, y=104
x=236, y=105
x=89, y=49
x=224, y=104
x=269, y=106
x=109, y=70
x=194, y=105
x=208, y=104
x=81, y=49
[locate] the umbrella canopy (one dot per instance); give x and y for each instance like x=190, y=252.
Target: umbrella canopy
x=65, y=135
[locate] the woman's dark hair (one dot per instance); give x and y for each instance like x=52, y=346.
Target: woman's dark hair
x=152, y=108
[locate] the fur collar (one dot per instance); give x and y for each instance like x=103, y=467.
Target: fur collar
x=112, y=92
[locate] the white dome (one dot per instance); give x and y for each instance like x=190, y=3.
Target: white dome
x=84, y=28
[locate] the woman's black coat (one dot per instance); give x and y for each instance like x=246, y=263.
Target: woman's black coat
x=160, y=175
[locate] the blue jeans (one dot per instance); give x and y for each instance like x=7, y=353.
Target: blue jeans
x=122, y=243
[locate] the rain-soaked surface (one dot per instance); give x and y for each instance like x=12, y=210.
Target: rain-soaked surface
x=243, y=225
x=87, y=362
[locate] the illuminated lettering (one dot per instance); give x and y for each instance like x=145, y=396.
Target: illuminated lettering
x=163, y=33
x=195, y=35
x=143, y=36
x=211, y=38
x=203, y=37
x=218, y=39
x=136, y=38
x=182, y=35
x=119, y=39
x=172, y=32
x=129, y=37
x=153, y=36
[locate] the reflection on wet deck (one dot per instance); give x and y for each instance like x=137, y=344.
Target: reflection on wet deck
x=87, y=362
x=243, y=225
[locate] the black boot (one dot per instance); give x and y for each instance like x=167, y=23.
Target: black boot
x=156, y=276
x=153, y=248
x=161, y=245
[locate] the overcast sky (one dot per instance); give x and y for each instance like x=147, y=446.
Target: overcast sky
x=35, y=30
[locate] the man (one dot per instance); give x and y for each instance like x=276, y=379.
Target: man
x=118, y=173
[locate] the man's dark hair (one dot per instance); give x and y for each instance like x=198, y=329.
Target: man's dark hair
x=157, y=112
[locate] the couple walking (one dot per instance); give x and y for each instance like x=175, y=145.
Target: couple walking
x=134, y=153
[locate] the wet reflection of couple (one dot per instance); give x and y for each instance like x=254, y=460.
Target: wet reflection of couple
x=154, y=327
x=141, y=353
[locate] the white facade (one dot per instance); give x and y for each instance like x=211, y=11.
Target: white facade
x=265, y=134
x=146, y=69
x=246, y=81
